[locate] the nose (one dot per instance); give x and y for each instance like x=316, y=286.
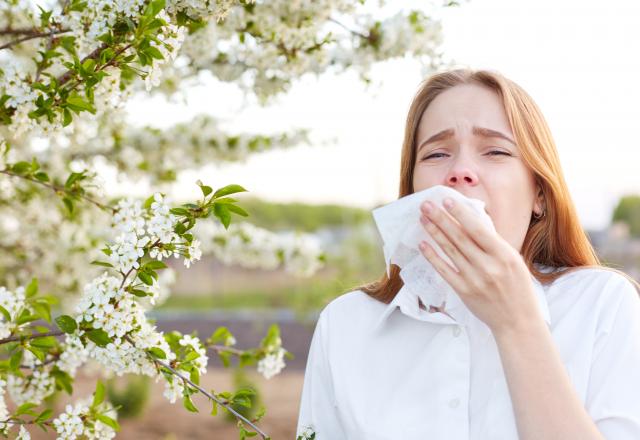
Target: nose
x=461, y=174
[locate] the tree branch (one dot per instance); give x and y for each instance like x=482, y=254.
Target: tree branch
x=58, y=189
x=32, y=336
x=28, y=35
x=359, y=34
x=199, y=388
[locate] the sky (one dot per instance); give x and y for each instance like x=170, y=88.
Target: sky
x=577, y=59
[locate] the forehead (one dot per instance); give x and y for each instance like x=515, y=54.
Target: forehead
x=462, y=107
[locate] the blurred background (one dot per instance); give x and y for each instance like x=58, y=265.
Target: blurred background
x=577, y=59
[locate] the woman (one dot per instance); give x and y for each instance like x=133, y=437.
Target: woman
x=569, y=369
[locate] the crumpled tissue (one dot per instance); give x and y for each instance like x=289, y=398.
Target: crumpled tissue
x=399, y=226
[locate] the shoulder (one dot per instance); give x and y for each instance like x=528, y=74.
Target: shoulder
x=350, y=308
x=608, y=282
x=604, y=290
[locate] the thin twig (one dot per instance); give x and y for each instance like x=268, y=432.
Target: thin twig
x=202, y=390
x=58, y=188
x=41, y=364
x=24, y=422
x=32, y=336
x=65, y=77
x=359, y=34
x=30, y=36
x=219, y=348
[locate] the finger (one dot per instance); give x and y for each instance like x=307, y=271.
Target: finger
x=451, y=250
x=442, y=267
x=456, y=233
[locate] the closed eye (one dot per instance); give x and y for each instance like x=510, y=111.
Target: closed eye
x=490, y=152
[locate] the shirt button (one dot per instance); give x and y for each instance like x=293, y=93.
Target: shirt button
x=453, y=403
x=456, y=331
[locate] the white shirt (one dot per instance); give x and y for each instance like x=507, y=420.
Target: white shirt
x=380, y=371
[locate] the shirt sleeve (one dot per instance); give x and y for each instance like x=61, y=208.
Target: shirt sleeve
x=318, y=410
x=613, y=399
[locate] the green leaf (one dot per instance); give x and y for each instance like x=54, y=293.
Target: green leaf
x=37, y=352
x=237, y=210
x=73, y=178
x=5, y=313
x=221, y=334
x=191, y=356
x=25, y=316
x=225, y=358
x=42, y=176
x=153, y=8
x=145, y=278
x=98, y=395
x=68, y=203
x=43, y=342
x=179, y=211
x=67, y=118
x=75, y=102
x=16, y=358
x=101, y=263
x=214, y=407
x=66, y=323
x=63, y=380
x=180, y=228
x=195, y=376
x=44, y=415
x=139, y=293
x=222, y=212
x=206, y=190
x=154, y=52
x=108, y=421
x=157, y=352
x=188, y=404
x=229, y=189
x=25, y=408
x=89, y=65
x=21, y=167
x=43, y=310
x=32, y=288
x=99, y=337
x=155, y=264
x=226, y=200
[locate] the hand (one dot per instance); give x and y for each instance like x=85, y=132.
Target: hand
x=493, y=280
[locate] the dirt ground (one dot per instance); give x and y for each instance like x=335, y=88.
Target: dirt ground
x=165, y=421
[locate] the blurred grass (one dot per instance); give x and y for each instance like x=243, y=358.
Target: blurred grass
x=301, y=216
x=359, y=261
x=354, y=260
x=306, y=295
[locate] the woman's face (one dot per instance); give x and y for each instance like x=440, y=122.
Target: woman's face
x=477, y=158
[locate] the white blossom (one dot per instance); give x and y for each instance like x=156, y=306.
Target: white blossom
x=23, y=434
x=193, y=253
x=272, y=363
x=173, y=389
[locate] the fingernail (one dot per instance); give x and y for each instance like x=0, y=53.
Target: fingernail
x=448, y=203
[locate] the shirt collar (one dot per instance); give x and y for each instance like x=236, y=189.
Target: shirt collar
x=408, y=304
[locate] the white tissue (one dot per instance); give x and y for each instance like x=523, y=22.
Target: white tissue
x=399, y=226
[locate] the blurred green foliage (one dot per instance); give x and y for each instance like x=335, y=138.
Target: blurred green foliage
x=241, y=380
x=130, y=396
x=301, y=216
x=628, y=211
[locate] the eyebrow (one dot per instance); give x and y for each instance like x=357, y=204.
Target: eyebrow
x=478, y=131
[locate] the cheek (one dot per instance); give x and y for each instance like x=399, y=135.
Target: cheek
x=423, y=179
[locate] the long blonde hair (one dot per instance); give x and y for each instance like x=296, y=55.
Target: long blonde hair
x=557, y=239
